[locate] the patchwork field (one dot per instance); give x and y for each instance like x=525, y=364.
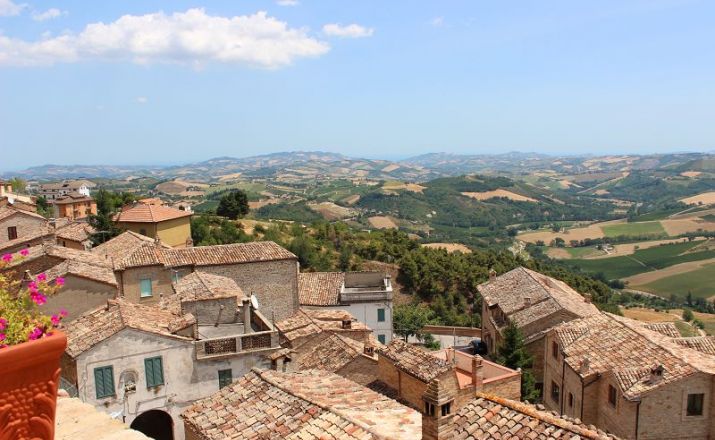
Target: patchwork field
x=449, y=247
x=397, y=186
x=330, y=211
x=707, y=198
x=695, y=277
x=634, y=229
x=650, y=315
x=382, y=222
x=486, y=195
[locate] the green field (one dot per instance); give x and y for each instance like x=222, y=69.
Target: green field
x=643, y=260
x=699, y=282
x=582, y=252
x=634, y=229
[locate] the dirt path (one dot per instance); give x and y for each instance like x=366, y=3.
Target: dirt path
x=649, y=277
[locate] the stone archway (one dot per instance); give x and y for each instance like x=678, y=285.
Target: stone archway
x=156, y=424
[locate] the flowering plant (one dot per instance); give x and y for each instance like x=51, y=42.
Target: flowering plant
x=21, y=319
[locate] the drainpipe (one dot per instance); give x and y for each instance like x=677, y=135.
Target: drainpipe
x=638, y=416
x=563, y=380
x=246, y=306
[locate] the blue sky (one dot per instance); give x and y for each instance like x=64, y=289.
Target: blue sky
x=156, y=82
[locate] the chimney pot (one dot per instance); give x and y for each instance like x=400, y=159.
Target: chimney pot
x=527, y=301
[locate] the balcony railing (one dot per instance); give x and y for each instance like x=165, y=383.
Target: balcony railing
x=365, y=296
x=233, y=345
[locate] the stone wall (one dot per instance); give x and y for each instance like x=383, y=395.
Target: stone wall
x=275, y=283
x=79, y=295
x=131, y=286
x=508, y=387
x=35, y=265
x=362, y=370
x=207, y=312
x=25, y=224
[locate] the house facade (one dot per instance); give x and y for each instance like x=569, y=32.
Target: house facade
x=55, y=190
x=171, y=226
x=535, y=303
x=629, y=380
x=365, y=295
x=20, y=228
x=74, y=206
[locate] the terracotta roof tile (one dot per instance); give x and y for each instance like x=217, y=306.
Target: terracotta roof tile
x=72, y=197
x=75, y=231
x=100, y=273
x=149, y=213
x=8, y=211
x=491, y=417
x=626, y=349
x=148, y=254
x=414, y=360
x=198, y=286
x=122, y=245
x=307, y=322
x=305, y=405
x=332, y=353
x=95, y=326
x=664, y=328
x=320, y=288
x=704, y=344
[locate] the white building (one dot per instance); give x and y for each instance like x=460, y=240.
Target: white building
x=52, y=191
x=365, y=295
x=145, y=364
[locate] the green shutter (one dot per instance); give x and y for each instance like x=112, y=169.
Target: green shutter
x=104, y=381
x=381, y=339
x=145, y=287
x=225, y=378
x=380, y=315
x=154, y=372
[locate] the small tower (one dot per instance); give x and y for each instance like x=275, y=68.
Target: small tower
x=438, y=412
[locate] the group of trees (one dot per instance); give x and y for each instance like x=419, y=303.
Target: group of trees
x=108, y=204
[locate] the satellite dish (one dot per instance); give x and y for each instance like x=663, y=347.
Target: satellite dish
x=254, y=301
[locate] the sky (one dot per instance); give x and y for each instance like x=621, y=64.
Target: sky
x=169, y=82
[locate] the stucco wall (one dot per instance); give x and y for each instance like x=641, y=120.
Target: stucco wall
x=275, y=283
x=208, y=311
x=367, y=314
x=175, y=232
x=160, y=283
x=185, y=380
x=79, y=295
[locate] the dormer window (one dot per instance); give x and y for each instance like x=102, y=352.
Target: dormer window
x=446, y=409
x=429, y=409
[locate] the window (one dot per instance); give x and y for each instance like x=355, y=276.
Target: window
x=612, y=395
x=154, y=372
x=429, y=409
x=380, y=315
x=381, y=338
x=555, y=392
x=142, y=231
x=11, y=232
x=145, y=287
x=555, y=350
x=104, y=381
x=695, y=404
x=446, y=409
x=225, y=378
x=176, y=277
x=570, y=400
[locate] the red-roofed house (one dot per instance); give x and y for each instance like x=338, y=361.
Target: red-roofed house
x=172, y=226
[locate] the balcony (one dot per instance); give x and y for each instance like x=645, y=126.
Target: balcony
x=235, y=345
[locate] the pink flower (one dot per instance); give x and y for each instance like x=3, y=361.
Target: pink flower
x=24, y=252
x=3, y=323
x=32, y=286
x=59, y=281
x=36, y=334
x=42, y=277
x=56, y=320
x=2, y=336
x=63, y=313
x=7, y=258
x=38, y=298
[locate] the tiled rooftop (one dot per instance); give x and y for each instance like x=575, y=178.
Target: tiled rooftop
x=63, y=253
x=305, y=405
x=664, y=328
x=149, y=254
x=629, y=351
x=491, y=417
x=704, y=344
x=72, y=197
x=414, y=361
x=7, y=211
x=332, y=353
x=320, y=288
x=75, y=231
x=99, y=324
x=306, y=322
x=149, y=213
x=122, y=245
x=198, y=286
x=94, y=272
x=526, y=296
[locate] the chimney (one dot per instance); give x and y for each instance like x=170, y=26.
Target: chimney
x=368, y=350
x=656, y=373
x=438, y=412
x=347, y=324
x=585, y=364
x=477, y=372
x=449, y=354
x=246, y=307
x=492, y=274
x=527, y=301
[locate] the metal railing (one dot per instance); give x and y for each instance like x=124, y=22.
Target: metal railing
x=233, y=345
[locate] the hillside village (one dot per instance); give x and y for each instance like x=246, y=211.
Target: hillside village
x=234, y=341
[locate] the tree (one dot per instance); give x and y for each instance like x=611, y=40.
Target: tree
x=408, y=319
x=688, y=315
x=233, y=205
x=18, y=185
x=512, y=353
x=108, y=203
x=43, y=208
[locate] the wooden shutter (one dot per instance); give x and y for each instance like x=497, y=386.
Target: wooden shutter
x=104, y=381
x=154, y=372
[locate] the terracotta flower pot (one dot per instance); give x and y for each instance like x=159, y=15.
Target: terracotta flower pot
x=29, y=377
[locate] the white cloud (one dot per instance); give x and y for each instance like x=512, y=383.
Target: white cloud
x=48, y=14
x=142, y=99
x=191, y=38
x=8, y=8
x=349, y=31
x=288, y=2
x=437, y=22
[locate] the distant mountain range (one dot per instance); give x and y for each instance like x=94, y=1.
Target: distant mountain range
x=314, y=164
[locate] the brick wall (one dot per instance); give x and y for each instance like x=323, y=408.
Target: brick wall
x=362, y=370
x=275, y=283
x=509, y=388
x=35, y=265
x=25, y=224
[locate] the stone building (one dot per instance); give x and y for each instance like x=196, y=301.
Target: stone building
x=365, y=295
x=75, y=235
x=263, y=269
x=20, y=229
x=409, y=370
x=631, y=380
x=74, y=206
x=535, y=303
x=171, y=226
x=147, y=363
x=122, y=245
x=332, y=341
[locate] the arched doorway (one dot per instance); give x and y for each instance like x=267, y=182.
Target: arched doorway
x=156, y=424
